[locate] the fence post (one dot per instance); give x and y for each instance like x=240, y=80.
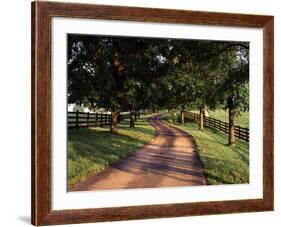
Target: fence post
x=88, y=118
x=77, y=120
x=239, y=132
x=96, y=121
x=101, y=119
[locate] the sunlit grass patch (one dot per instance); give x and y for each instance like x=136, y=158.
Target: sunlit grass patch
x=91, y=150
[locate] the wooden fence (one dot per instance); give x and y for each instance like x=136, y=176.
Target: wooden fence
x=82, y=119
x=240, y=132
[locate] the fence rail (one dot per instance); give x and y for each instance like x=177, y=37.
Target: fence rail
x=240, y=132
x=85, y=119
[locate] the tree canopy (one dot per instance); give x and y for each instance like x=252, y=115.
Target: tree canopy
x=132, y=73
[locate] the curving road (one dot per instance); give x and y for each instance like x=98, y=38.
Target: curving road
x=168, y=160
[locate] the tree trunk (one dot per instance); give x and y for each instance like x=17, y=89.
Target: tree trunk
x=201, y=118
x=135, y=115
x=113, y=125
x=138, y=114
x=118, y=117
x=132, y=119
x=231, y=115
x=182, y=117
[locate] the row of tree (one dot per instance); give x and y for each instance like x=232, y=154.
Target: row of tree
x=130, y=74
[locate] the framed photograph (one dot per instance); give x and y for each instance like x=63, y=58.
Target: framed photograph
x=142, y=113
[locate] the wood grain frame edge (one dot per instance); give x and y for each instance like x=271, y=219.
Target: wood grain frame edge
x=41, y=193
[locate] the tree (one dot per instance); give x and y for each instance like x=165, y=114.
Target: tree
x=195, y=74
x=129, y=74
x=212, y=65
x=108, y=72
x=234, y=88
x=93, y=70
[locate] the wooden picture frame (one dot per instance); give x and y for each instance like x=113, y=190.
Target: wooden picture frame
x=42, y=12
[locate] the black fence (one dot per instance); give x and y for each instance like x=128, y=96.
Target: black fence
x=240, y=132
x=82, y=119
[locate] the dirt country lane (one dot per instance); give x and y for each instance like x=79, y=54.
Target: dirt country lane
x=168, y=160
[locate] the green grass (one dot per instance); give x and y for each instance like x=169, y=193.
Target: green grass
x=222, y=164
x=242, y=119
x=91, y=150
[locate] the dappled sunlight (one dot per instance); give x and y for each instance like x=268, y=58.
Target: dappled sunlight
x=169, y=159
x=222, y=164
x=128, y=76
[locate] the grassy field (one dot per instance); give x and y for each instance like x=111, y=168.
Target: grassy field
x=242, y=119
x=222, y=164
x=92, y=150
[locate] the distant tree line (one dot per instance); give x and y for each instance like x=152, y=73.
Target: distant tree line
x=132, y=74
